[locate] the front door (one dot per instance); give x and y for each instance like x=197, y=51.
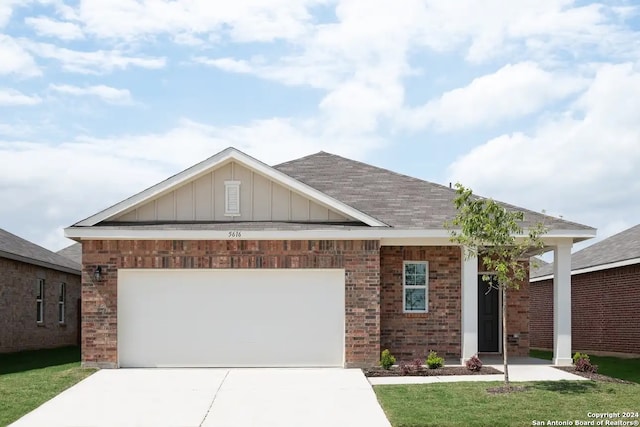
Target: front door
x=488, y=318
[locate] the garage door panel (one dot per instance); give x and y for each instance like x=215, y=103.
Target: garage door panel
x=231, y=317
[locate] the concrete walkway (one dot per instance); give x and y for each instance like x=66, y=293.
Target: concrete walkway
x=520, y=369
x=214, y=398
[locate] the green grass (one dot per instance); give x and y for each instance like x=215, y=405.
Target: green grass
x=626, y=369
x=30, y=378
x=469, y=404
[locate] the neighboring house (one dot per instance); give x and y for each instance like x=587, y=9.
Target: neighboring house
x=73, y=252
x=605, y=297
x=320, y=261
x=39, y=295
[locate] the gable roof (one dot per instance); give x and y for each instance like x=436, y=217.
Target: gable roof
x=72, y=252
x=395, y=199
x=615, y=251
x=229, y=154
x=19, y=249
x=381, y=204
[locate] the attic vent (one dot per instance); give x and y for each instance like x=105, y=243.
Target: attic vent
x=232, y=198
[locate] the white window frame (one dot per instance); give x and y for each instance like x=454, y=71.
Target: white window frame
x=229, y=186
x=40, y=301
x=425, y=287
x=62, y=300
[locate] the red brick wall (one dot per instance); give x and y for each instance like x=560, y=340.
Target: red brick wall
x=360, y=259
x=413, y=335
x=542, y=314
x=18, y=328
x=518, y=313
x=605, y=313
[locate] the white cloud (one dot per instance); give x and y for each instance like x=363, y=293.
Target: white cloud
x=94, y=62
x=15, y=60
x=12, y=97
x=188, y=39
x=16, y=129
x=361, y=59
x=44, y=26
x=106, y=93
x=6, y=10
x=5, y=13
x=247, y=20
x=583, y=164
x=511, y=92
x=527, y=28
x=226, y=64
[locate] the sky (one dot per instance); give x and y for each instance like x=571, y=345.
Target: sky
x=532, y=102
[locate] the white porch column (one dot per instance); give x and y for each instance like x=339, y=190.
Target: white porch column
x=562, y=304
x=469, y=307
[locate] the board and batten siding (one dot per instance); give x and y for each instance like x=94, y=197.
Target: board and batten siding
x=202, y=199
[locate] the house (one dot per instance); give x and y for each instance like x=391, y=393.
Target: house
x=39, y=295
x=320, y=261
x=605, y=297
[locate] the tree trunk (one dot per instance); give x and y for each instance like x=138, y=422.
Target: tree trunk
x=504, y=335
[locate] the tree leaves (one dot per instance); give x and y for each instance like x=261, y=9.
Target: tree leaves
x=495, y=234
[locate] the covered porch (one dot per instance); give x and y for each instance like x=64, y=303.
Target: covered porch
x=562, y=356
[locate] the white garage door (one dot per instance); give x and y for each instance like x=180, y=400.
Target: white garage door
x=230, y=318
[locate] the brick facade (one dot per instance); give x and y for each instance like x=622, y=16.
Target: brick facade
x=542, y=315
x=413, y=335
x=18, y=328
x=373, y=277
x=360, y=259
x=605, y=311
x=518, y=318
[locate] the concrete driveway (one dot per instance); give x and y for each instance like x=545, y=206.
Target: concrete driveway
x=214, y=397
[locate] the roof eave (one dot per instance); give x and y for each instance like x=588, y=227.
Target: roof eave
x=39, y=263
x=131, y=232
x=591, y=269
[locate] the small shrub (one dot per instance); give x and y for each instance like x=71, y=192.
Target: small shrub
x=386, y=359
x=405, y=368
x=578, y=356
x=417, y=364
x=434, y=361
x=584, y=365
x=474, y=363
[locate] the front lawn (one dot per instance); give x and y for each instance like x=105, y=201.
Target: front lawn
x=626, y=369
x=30, y=378
x=469, y=404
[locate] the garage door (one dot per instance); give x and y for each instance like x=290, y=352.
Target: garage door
x=230, y=318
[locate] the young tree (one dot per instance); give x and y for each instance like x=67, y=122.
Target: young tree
x=495, y=235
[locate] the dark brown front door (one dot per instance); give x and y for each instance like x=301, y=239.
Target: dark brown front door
x=488, y=317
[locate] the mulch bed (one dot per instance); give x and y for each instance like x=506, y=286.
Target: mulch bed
x=396, y=371
x=592, y=376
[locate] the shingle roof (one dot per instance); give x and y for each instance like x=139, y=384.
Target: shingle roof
x=619, y=247
x=397, y=200
x=536, y=263
x=73, y=252
x=14, y=247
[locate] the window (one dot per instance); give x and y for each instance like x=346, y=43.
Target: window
x=232, y=198
x=415, y=279
x=61, y=301
x=40, y=301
